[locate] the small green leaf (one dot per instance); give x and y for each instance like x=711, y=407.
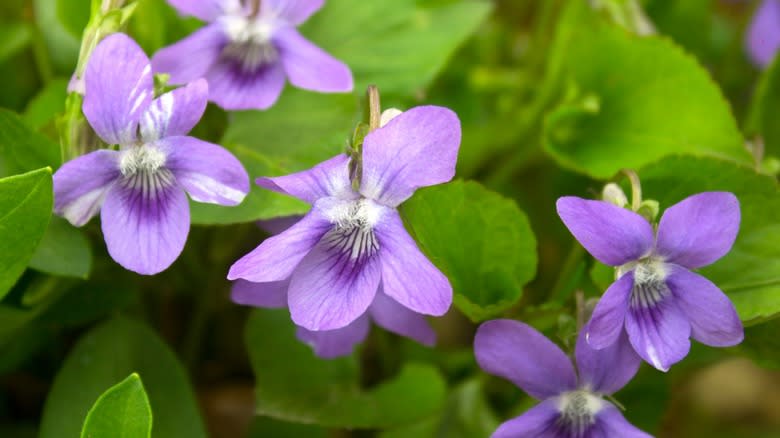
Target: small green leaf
x=64, y=251
x=21, y=148
x=482, y=241
x=25, y=209
x=122, y=411
x=110, y=352
x=294, y=385
x=650, y=100
x=73, y=16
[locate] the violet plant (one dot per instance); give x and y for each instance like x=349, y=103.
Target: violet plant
x=413, y=269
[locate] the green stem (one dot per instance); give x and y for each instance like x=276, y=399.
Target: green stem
x=636, y=188
x=563, y=285
x=41, y=56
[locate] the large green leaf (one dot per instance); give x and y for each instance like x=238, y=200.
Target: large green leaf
x=482, y=241
x=633, y=100
x=122, y=411
x=750, y=273
x=49, y=102
x=64, y=250
x=109, y=353
x=294, y=385
x=25, y=209
x=21, y=148
x=406, y=43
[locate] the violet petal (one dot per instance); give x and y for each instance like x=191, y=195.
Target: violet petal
x=119, y=88
x=80, y=185
x=609, y=369
x=271, y=295
x=613, y=235
x=192, y=57
x=388, y=314
x=145, y=224
x=330, y=344
x=407, y=275
x=538, y=422
x=329, y=178
x=713, y=318
x=517, y=352
x=699, y=229
x=418, y=148
x=609, y=316
x=175, y=112
x=659, y=333
x=309, y=67
x=209, y=173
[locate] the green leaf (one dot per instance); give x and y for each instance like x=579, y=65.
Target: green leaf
x=122, y=411
x=14, y=37
x=25, y=208
x=110, y=352
x=73, y=16
x=633, y=100
x=302, y=130
x=294, y=385
x=45, y=106
x=64, y=251
x=263, y=427
x=405, y=45
x=750, y=273
x=21, y=148
x=765, y=108
x=762, y=344
x=482, y=241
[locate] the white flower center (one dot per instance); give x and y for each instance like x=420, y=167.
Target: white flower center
x=141, y=159
x=353, y=231
x=250, y=43
x=578, y=410
x=650, y=275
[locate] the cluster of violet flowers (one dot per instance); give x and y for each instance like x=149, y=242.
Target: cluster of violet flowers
x=349, y=261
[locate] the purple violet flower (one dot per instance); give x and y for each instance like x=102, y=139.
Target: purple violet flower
x=763, y=36
x=572, y=403
x=656, y=297
x=352, y=241
x=248, y=50
x=140, y=188
x=383, y=311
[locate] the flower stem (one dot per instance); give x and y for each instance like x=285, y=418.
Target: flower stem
x=374, y=108
x=636, y=188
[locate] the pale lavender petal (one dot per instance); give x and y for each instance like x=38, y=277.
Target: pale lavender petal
x=293, y=12
x=270, y=295
x=609, y=316
x=80, y=185
x=206, y=10
x=309, y=67
x=192, y=57
x=713, y=318
x=175, y=112
x=407, y=275
x=330, y=288
x=119, y=88
x=209, y=173
x=145, y=223
x=612, y=424
x=699, y=229
x=659, y=332
x=329, y=178
x=517, y=352
x=538, y=422
x=331, y=344
x=417, y=148
x=276, y=258
x=611, y=234
x=390, y=315
x=609, y=369
x=763, y=37
x=232, y=88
